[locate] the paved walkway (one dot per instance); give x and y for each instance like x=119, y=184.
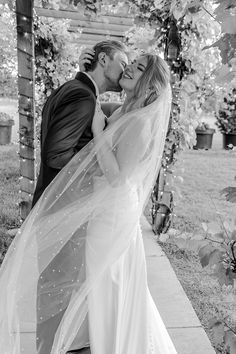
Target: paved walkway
x=174, y=307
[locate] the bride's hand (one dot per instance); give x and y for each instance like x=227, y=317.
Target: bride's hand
x=99, y=121
x=85, y=57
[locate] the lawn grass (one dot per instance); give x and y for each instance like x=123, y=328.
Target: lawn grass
x=204, y=174
x=197, y=198
x=9, y=192
x=9, y=186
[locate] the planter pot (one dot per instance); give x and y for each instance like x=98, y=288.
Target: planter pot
x=6, y=131
x=228, y=139
x=204, y=139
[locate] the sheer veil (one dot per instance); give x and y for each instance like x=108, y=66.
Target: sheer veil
x=44, y=271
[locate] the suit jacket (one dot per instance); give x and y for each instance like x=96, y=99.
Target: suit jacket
x=66, y=127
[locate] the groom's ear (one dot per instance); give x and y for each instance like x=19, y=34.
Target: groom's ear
x=102, y=59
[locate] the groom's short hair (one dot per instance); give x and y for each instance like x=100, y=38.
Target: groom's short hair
x=108, y=47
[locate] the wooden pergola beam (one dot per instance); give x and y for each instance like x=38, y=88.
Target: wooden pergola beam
x=26, y=81
x=93, y=30
x=95, y=37
x=75, y=15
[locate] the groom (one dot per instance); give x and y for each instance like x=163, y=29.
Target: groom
x=67, y=115
x=65, y=129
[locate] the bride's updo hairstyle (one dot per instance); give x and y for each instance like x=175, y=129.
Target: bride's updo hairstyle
x=151, y=84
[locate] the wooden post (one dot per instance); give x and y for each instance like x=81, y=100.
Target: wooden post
x=25, y=54
x=162, y=197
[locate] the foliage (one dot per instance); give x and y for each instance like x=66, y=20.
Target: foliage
x=226, y=114
x=225, y=15
x=203, y=126
x=225, y=123
x=88, y=7
x=9, y=191
x=224, y=334
x=177, y=30
x=191, y=72
x=230, y=194
x=56, y=60
x=216, y=249
x=157, y=12
x=8, y=59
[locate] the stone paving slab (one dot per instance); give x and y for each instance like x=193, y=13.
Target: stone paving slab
x=191, y=341
x=179, y=317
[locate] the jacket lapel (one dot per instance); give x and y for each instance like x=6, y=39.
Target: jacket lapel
x=85, y=79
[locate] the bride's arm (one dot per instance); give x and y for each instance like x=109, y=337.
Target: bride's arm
x=130, y=149
x=106, y=158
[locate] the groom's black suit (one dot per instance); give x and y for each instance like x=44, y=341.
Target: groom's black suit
x=66, y=127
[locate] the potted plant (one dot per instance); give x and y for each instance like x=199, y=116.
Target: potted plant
x=226, y=120
x=204, y=136
x=6, y=123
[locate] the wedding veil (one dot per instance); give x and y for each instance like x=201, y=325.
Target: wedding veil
x=44, y=270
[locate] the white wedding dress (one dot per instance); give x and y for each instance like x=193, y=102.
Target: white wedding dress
x=75, y=274
x=122, y=315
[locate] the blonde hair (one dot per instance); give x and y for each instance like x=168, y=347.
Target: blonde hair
x=153, y=81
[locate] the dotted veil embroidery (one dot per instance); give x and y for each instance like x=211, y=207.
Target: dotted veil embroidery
x=43, y=276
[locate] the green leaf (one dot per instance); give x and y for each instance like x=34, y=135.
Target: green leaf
x=233, y=235
x=229, y=24
x=231, y=275
x=229, y=226
x=198, y=237
x=224, y=75
x=221, y=273
x=217, y=237
x=229, y=193
x=226, y=45
x=213, y=228
x=230, y=298
x=195, y=245
x=204, y=225
x=215, y=257
x=180, y=242
x=164, y=237
x=204, y=254
x=230, y=341
x=217, y=328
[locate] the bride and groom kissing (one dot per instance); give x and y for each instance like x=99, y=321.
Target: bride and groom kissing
x=76, y=268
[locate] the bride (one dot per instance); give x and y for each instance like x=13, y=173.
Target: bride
x=75, y=273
